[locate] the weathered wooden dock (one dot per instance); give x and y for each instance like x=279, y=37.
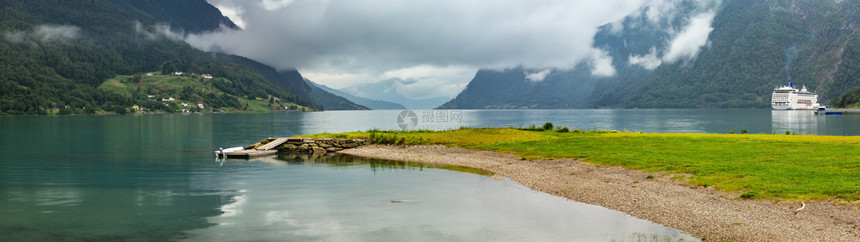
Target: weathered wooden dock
x=296, y=145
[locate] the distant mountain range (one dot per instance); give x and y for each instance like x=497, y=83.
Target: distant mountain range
x=55, y=54
x=367, y=102
x=752, y=47
x=385, y=90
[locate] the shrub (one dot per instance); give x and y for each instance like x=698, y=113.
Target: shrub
x=531, y=128
x=748, y=195
x=380, y=138
x=743, y=131
x=547, y=126
x=66, y=111
x=563, y=130
x=649, y=177
x=787, y=132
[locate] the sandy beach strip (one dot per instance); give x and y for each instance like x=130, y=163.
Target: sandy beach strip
x=702, y=212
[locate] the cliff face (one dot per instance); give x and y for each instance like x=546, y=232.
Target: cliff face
x=752, y=46
x=193, y=16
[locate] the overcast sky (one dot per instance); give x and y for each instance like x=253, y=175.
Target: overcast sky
x=436, y=45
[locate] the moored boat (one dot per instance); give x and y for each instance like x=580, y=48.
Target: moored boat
x=221, y=152
x=789, y=98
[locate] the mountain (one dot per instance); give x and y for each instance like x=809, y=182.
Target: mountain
x=331, y=101
x=55, y=54
x=555, y=90
x=385, y=90
x=192, y=16
x=752, y=47
x=367, y=102
x=292, y=80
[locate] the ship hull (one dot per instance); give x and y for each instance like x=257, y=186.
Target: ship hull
x=792, y=107
x=780, y=107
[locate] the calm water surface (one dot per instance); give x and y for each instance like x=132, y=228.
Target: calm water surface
x=153, y=177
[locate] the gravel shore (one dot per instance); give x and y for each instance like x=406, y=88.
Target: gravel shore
x=702, y=212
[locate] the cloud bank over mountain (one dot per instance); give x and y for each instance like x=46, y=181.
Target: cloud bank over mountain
x=434, y=45
x=686, y=40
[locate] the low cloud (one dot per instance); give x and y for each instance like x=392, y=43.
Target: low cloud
x=56, y=32
x=537, y=76
x=426, y=81
x=686, y=41
x=415, y=82
x=46, y=32
x=158, y=31
x=141, y=30
x=275, y=4
x=341, y=43
x=601, y=64
x=649, y=61
x=428, y=88
x=687, y=44
x=367, y=39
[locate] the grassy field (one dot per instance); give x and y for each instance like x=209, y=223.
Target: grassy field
x=161, y=85
x=788, y=167
x=164, y=86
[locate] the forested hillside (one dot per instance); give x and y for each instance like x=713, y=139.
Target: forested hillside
x=754, y=46
x=55, y=53
x=192, y=16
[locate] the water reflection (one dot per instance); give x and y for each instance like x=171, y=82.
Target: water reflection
x=339, y=197
x=104, y=177
x=795, y=121
x=335, y=160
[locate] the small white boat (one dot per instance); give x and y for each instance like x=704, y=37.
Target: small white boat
x=221, y=152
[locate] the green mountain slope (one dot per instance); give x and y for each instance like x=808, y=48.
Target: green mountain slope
x=331, y=101
x=55, y=54
x=191, y=16
x=292, y=80
x=754, y=46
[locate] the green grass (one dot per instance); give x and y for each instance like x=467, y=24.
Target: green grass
x=762, y=166
x=257, y=105
x=114, y=85
x=162, y=86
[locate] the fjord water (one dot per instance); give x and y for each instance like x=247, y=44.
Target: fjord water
x=154, y=177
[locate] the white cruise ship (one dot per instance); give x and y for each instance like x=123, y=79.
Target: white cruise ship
x=790, y=98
